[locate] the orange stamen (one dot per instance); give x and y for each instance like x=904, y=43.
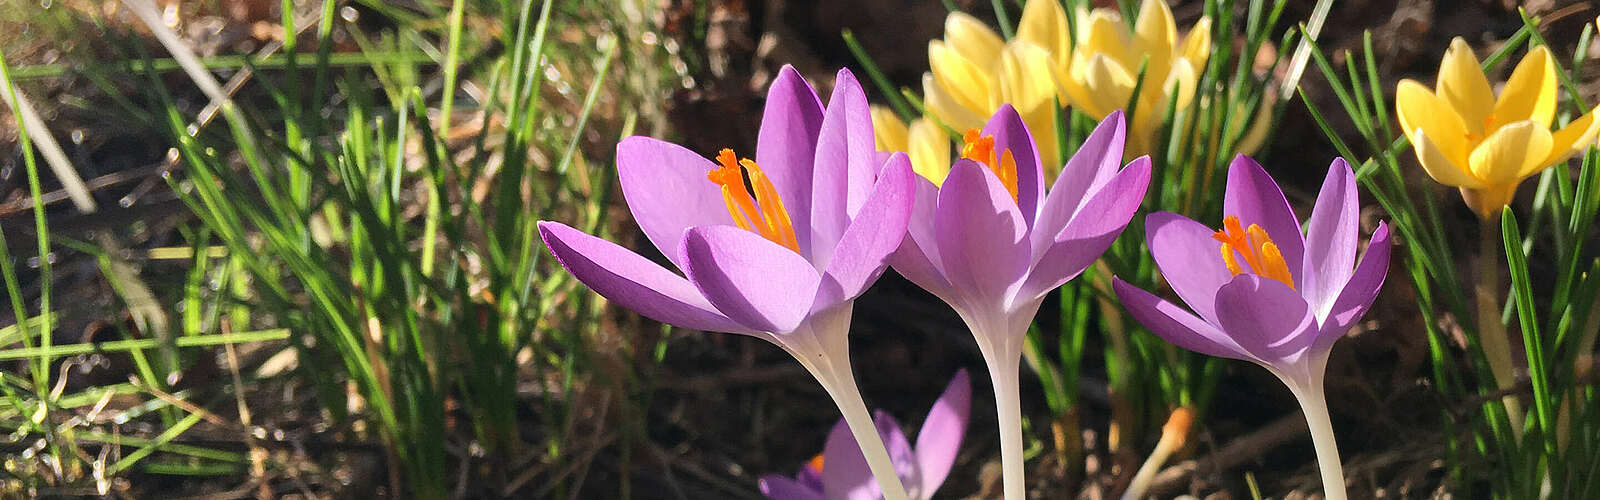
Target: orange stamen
x=1255, y=247
x=980, y=148
x=815, y=463
x=752, y=200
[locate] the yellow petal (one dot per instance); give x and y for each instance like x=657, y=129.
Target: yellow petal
x=971, y=38
x=1573, y=138
x=1023, y=83
x=965, y=81
x=1438, y=165
x=1155, y=27
x=1462, y=84
x=1418, y=108
x=945, y=107
x=1072, y=86
x=1508, y=153
x=1107, y=36
x=1045, y=24
x=1197, y=45
x=1488, y=201
x=1180, y=81
x=929, y=148
x=1530, y=94
x=1110, y=84
x=888, y=132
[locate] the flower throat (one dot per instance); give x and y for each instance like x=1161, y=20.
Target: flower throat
x=751, y=199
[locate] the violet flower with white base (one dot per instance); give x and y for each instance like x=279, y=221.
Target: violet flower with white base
x=991, y=243
x=1283, y=307
x=777, y=248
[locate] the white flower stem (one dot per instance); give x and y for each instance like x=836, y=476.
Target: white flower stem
x=1315, y=406
x=1008, y=410
x=823, y=347
x=848, y=398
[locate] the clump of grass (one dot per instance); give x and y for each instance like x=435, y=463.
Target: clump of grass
x=376, y=209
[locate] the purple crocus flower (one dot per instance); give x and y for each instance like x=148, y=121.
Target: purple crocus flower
x=1261, y=291
x=991, y=243
x=776, y=248
x=840, y=472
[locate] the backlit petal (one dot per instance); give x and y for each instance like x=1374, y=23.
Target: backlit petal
x=1507, y=153
x=666, y=189
x=917, y=259
x=981, y=235
x=1462, y=84
x=1156, y=31
x=1573, y=138
x=1255, y=198
x=971, y=38
x=1530, y=93
x=845, y=475
x=970, y=84
x=1438, y=165
x=1331, y=238
x=889, y=134
x=1418, y=108
x=1362, y=289
x=1011, y=134
x=846, y=166
x=1045, y=24
x=1197, y=44
x=785, y=148
x=632, y=281
x=1090, y=232
x=1189, y=259
x=874, y=233
x=1111, y=84
x=946, y=107
x=929, y=149
x=1174, y=324
x=1267, y=318
x=1095, y=162
x=753, y=281
x=939, y=439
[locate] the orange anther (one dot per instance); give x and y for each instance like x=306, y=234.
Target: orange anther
x=752, y=200
x=980, y=148
x=1255, y=247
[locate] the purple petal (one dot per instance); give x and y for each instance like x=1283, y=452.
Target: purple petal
x=844, y=469
x=777, y=487
x=1174, y=324
x=939, y=440
x=982, y=239
x=667, y=191
x=1092, y=166
x=918, y=256
x=1361, y=290
x=875, y=233
x=1189, y=259
x=1331, y=239
x=1090, y=234
x=1265, y=317
x=845, y=168
x=1011, y=134
x=632, y=281
x=900, y=454
x=755, y=282
x=1254, y=197
x=787, y=144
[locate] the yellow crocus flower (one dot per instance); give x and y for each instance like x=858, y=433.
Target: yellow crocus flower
x=973, y=71
x=1467, y=137
x=1104, y=69
x=926, y=144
